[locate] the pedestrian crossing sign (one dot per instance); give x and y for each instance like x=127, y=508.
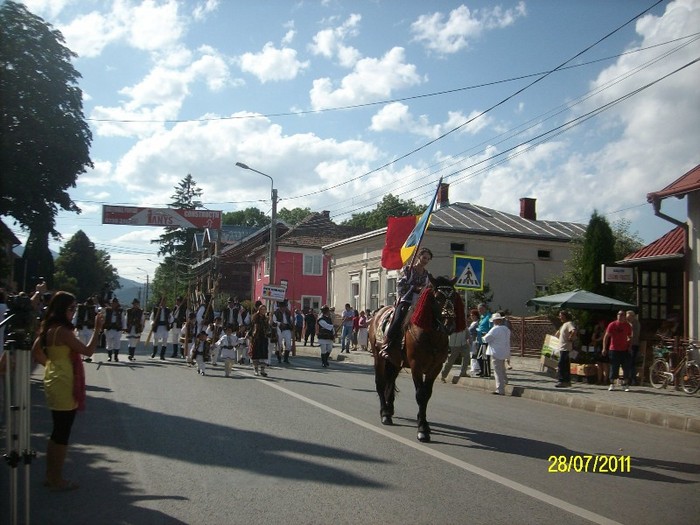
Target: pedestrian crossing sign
x=469, y=272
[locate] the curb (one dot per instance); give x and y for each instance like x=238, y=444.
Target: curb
x=639, y=415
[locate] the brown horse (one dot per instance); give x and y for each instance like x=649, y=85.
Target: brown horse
x=424, y=349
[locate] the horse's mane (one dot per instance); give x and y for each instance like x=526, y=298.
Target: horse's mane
x=424, y=310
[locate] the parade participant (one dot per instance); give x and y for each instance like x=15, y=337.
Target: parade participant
x=84, y=321
x=282, y=319
x=228, y=344
x=114, y=326
x=326, y=334
x=188, y=332
x=235, y=314
x=200, y=347
x=179, y=313
x=134, y=326
x=260, y=333
x=58, y=349
x=409, y=286
x=161, y=321
x=214, y=331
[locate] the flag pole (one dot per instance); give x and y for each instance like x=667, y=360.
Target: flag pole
x=420, y=239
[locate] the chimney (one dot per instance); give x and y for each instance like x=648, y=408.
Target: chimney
x=326, y=214
x=443, y=198
x=528, y=208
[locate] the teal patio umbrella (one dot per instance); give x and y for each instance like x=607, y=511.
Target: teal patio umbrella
x=579, y=299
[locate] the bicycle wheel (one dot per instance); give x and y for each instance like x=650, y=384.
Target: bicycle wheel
x=690, y=378
x=657, y=376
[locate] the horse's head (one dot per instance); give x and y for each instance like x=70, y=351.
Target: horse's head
x=447, y=300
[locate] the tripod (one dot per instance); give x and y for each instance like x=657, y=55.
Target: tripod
x=17, y=408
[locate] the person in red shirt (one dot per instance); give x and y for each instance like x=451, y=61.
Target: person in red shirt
x=616, y=340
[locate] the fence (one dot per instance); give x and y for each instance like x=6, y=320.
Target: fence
x=527, y=334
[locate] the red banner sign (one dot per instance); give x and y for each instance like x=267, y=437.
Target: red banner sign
x=133, y=216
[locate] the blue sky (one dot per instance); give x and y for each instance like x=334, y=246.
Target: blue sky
x=342, y=102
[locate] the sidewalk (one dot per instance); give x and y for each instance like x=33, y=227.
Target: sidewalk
x=668, y=407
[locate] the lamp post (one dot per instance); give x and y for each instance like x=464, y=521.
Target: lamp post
x=273, y=228
x=145, y=295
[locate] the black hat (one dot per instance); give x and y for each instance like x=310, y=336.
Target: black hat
x=135, y=301
x=282, y=304
x=115, y=300
x=325, y=308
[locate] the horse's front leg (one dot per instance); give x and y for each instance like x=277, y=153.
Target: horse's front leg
x=424, y=390
x=385, y=382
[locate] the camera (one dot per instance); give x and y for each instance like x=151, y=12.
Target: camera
x=20, y=327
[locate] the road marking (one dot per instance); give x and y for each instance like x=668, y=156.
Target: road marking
x=513, y=485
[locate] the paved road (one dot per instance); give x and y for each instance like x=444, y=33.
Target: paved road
x=160, y=444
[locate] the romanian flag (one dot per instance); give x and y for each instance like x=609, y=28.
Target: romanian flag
x=404, y=235
x=397, y=231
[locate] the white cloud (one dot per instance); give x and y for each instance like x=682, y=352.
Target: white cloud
x=146, y=26
x=205, y=8
x=159, y=96
x=331, y=42
x=371, y=80
x=461, y=26
x=272, y=64
x=397, y=117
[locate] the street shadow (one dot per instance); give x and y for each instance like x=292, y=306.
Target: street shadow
x=111, y=494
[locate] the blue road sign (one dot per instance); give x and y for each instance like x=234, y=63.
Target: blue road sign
x=469, y=272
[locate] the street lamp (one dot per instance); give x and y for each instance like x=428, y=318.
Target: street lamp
x=273, y=228
x=145, y=295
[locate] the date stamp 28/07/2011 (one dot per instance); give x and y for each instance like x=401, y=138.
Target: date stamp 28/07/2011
x=602, y=464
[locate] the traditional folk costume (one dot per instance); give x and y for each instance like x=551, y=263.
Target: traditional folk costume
x=179, y=313
x=200, y=347
x=261, y=333
x=213, y=335
x=134, y=327
x=228, y=345
x=161, y=321
x=282, y=320
x=84, y=321
x=113, y=328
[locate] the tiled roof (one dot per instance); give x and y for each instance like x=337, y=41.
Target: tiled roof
x=686, y=184
x=462, y=217
x=671, y=245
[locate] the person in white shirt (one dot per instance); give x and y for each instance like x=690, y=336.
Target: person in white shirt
x=228, y=345
x=498, y=339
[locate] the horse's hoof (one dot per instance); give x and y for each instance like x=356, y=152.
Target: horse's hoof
x=386, y=420
x=423, y=437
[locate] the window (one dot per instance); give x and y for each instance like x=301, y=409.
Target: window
x=390, y=290
x=355, y=294
x=544, y=254
x=654, y=290
x=457, y=247
x=373, y=292
x=312, y=264
x=267, y=264
x=311, y=301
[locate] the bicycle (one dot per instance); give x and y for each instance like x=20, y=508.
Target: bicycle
x=686, y=374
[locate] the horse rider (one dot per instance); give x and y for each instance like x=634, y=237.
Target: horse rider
x=413, y=279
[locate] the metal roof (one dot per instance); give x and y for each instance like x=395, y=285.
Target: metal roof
x=687, y=183
x=463, y=217
x=670, y=246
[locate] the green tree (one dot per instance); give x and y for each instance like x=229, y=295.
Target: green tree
x=252, y=217
x=172, y=278
x=390, y=206
x=83, y=269
x=177, y=240
x=583, y=265
x=294, y=216
x=44, y=139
